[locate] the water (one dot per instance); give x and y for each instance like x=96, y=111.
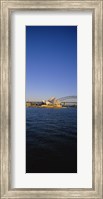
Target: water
x=51, y=140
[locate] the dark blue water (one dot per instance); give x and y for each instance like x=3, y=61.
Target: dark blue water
x=51, y=140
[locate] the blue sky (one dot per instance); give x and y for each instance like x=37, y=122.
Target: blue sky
x=51, y=61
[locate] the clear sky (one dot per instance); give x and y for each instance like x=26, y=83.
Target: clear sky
x=51, y=61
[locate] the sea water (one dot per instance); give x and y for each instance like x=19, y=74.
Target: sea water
x=51, y=140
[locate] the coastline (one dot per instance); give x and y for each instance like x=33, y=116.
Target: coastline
x=56, y=107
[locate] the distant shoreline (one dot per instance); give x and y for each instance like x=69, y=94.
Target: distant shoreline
x=50, y=103
x=55, y=107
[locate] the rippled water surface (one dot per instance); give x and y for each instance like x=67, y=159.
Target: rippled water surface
x=51, y=140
